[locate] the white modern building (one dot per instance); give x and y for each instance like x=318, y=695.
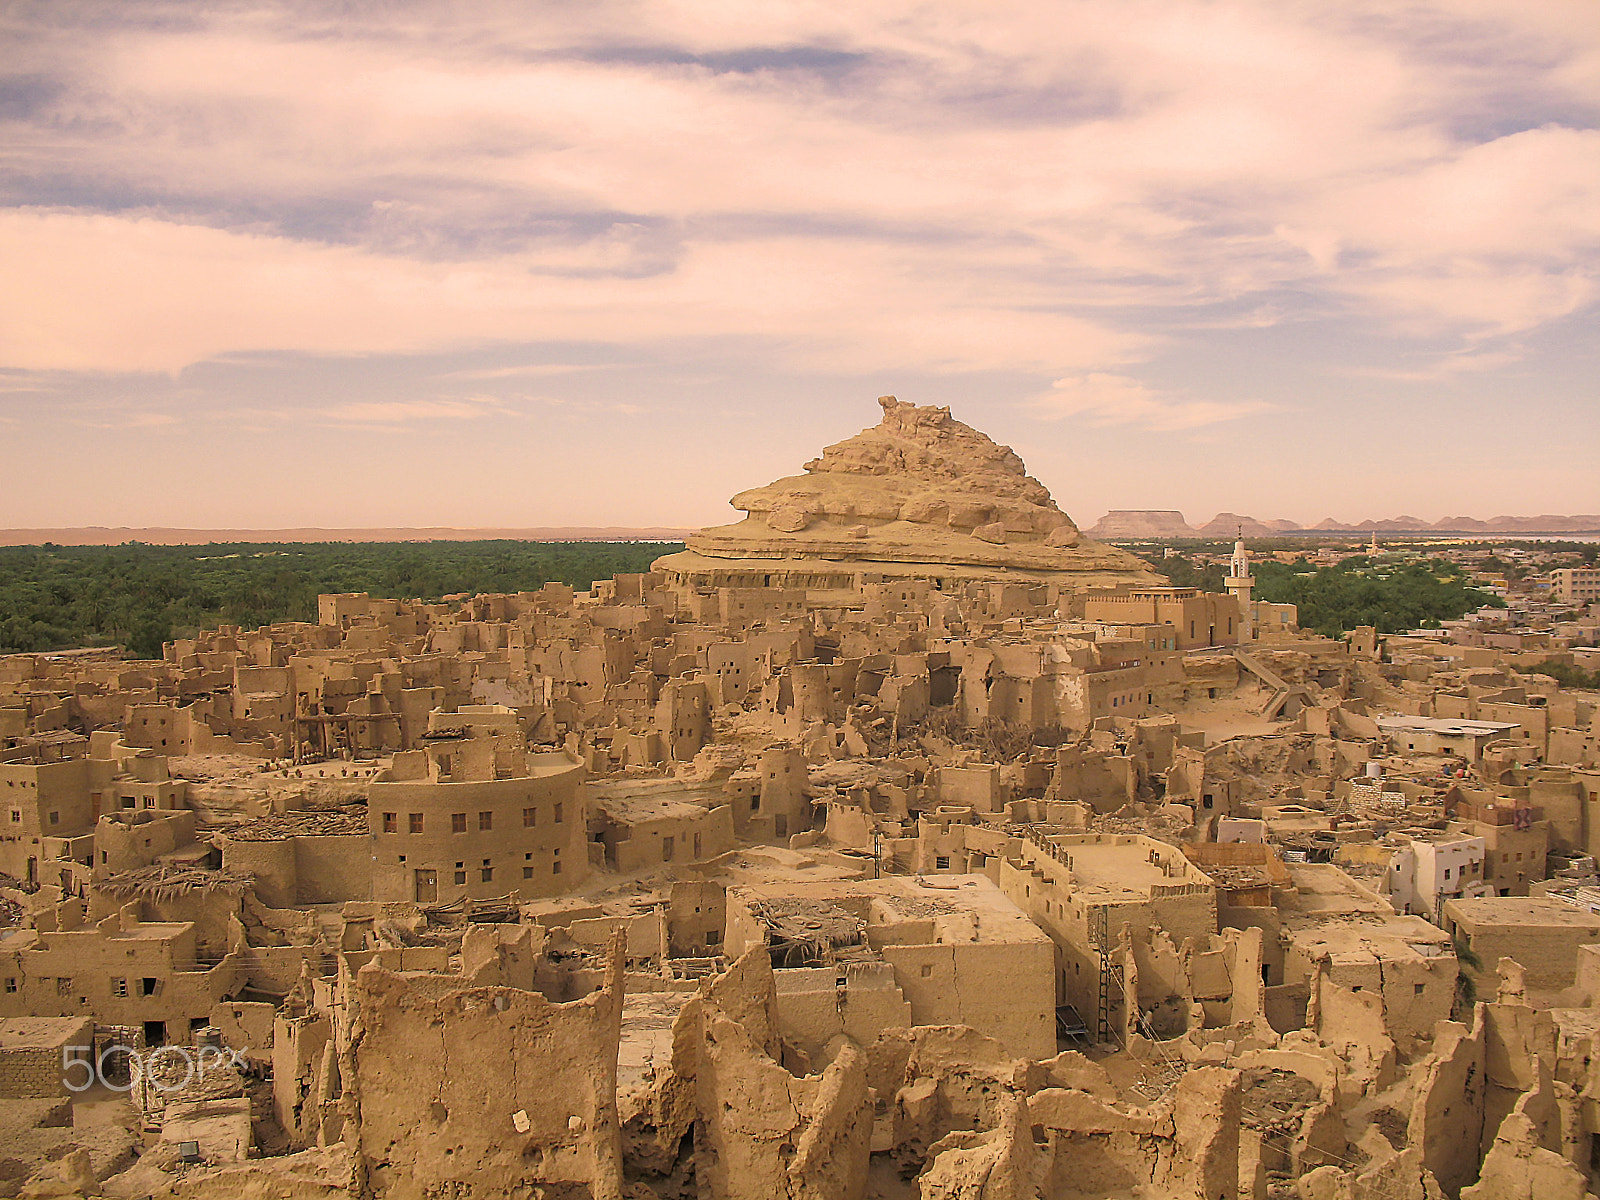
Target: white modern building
x=1430, y=868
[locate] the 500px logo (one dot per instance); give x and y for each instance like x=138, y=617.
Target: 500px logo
x=166, y=1068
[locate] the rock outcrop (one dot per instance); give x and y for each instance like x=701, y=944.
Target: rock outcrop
x=919, y=495
x=1142, y=523
x=1227, y=525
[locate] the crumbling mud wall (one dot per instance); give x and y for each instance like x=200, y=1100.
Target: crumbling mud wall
x=768, y=1133
x=756, y=1130
x=1186, y=1144
x=304, y=1073
x=1474, y=1080
x=971, y=1121
x=1519, y=1167
x=485, y=1091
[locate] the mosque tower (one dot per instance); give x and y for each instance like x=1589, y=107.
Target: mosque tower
x=1239, y=582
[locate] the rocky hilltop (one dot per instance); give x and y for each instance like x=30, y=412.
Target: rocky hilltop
x=1227, y=525
x=1167, y=523
x=1140, y=523
x=919, y=494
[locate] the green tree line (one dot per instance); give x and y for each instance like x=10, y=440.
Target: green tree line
x=1334, y=599
x=139, y=596
x=1358, y=591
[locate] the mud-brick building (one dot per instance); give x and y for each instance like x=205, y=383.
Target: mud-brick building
x=858, y=955
x=150, y=975
x=1085, y=890
x=40, y=801
x=35, y=1053
x=475, y=817
x=1542, y=934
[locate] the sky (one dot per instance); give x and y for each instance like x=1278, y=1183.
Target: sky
x=591, y=262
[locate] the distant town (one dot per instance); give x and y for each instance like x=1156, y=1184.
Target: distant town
x=898, y=838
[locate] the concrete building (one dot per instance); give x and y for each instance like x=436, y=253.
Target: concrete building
x=1575, y=585
x=1440, y=735
x=1428, y=868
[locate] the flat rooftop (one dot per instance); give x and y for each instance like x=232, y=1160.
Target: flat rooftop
x=631, y=800
x=1530, y=912
x=963, y=908
x=645, y=1049
x=1353, y=938
x=1106, y=866
x=1324, y=890
x=1446, y=725
x=1117, y=869
x=39, y=1033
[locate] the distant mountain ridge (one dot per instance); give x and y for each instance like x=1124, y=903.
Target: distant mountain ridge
x=100, y=535
x=1156, y=523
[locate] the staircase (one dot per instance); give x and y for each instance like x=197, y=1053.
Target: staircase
x=1282, y=690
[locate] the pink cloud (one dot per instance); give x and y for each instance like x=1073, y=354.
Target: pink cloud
x=1160, y=154
x=1102, y=398
x=115, y=294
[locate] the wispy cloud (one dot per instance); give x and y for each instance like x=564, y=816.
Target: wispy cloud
x=405, y=412
x=616, y=172
x=1446, y=367
x=526, y=371
x=618, y=407
x=1106, y=399
x=430, y=412
x=130, y=420
x=760, y=207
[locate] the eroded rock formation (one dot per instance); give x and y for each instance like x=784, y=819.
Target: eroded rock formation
x=919, y=495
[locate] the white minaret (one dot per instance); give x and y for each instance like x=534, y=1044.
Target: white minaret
x=1239, y=583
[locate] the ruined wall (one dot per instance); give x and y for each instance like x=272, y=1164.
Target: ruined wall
x=302, y=1061
x=697, y=916
x=818, y=1004
x=1474, y=1080
x=760, y=1131
x=1003, y=990
x=771, y=1134
x=32, y=1067
x=214, y=914
x=245, y=1028
x=482, y=1091
x=983, y=1125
